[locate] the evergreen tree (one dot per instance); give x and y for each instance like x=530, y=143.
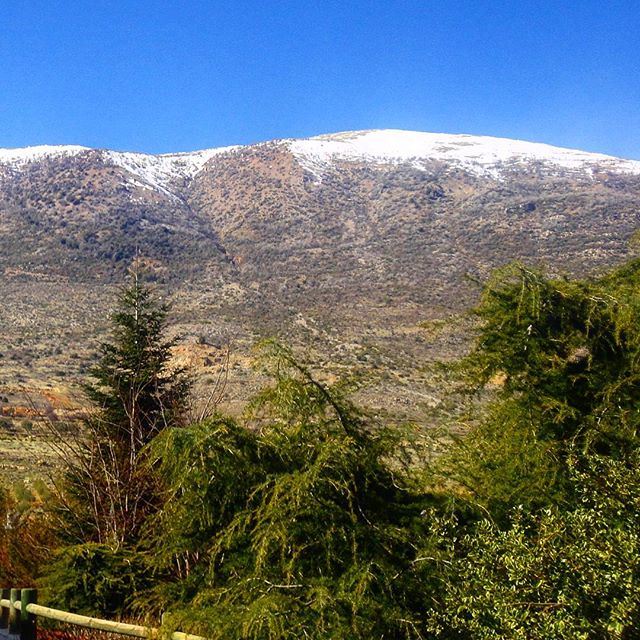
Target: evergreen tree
x=300, y=523
x=135, y=391
x=107, y=490
x=562, y=358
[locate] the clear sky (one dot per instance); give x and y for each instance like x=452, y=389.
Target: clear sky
x=162, y=76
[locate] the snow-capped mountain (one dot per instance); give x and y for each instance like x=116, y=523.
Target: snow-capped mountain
x=356, y=233
x=159, y=171
x=482, y=155
x=477, y=155
x=26, y=155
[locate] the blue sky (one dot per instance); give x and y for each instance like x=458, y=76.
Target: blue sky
x=163, y=76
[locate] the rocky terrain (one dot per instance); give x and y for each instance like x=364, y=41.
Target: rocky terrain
x=356, y=246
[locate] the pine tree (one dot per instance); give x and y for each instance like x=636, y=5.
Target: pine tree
x=107, y=490
x=136, y=392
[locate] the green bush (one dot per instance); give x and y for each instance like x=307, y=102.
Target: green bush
x=571, y=574
x=94, y=579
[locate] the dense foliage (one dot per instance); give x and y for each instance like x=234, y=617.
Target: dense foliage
x=308, y=518
x=94, y=578
x=26, y=537
x=298, y=523
x=563, y=359
x=553, y=463
x=555, y=573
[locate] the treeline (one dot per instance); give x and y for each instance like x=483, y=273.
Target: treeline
x=309, y=518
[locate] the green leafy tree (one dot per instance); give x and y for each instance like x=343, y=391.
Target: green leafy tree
x=570, y=574
x=551, y=467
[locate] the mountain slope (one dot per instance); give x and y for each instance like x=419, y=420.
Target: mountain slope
x=344, y=241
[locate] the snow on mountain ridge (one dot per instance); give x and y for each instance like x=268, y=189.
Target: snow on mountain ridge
x=153, y=171
x=24, y=155
x=482, y=155
x=160, y=171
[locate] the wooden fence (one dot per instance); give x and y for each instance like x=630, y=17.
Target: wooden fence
x=19, y=610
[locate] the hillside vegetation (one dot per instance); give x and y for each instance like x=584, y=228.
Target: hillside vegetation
x=309, y=517
x=345, y=243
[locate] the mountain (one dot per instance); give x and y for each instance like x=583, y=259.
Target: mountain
x=344, y=242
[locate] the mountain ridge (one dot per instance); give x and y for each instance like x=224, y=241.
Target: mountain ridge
x=344, y=241
x=397, y=144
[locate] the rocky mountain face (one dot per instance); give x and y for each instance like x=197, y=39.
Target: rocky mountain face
x=344, y=242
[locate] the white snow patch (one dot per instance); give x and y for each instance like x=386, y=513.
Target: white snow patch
x=33, y=154
x=159, y=172
x=480, y=155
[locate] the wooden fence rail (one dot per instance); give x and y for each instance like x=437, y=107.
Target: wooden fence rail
x=19, y=610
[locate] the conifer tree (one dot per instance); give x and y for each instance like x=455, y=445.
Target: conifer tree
x=135, y=391
x=299, y=521
x=107, y=489
x=562, y=358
